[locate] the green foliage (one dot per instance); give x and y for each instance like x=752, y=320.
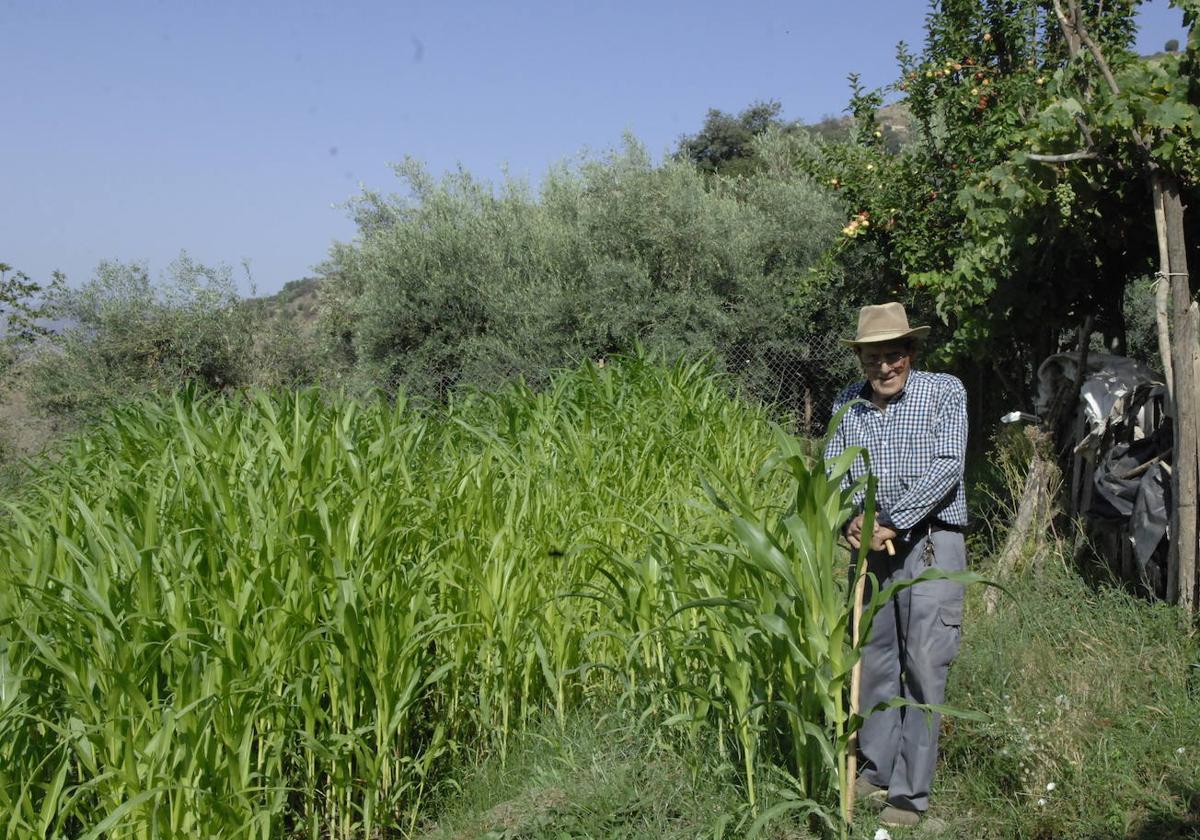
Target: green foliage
x=969, y=223
x=725, y=143
x=286, y=353
x=127, y=335
x=1088, y=690
x=24, y=305
x=1141, y=329
x=295, y=290
x=831, y=129
x=463, y=283
x=292, y=615
x=286, y=614
x=605, y=774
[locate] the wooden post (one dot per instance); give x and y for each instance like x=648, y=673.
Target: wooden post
x=860, y=588
x=1162, y=290
x=1189, y=575
x=1185, y=330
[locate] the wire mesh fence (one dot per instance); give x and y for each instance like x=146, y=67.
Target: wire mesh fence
x=801, y=376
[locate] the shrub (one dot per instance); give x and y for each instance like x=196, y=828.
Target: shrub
x=1141, y=328
x=126, y=335
x=464, y=283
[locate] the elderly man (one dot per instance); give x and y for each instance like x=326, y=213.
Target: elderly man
x=913, y=425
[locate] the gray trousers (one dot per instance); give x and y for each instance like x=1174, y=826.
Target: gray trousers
x=914, y=638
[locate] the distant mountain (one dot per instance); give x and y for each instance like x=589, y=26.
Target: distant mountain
x=295, y=302
x=895, y=121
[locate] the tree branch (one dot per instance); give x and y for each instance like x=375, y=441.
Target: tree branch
x=1105, y=70
x=1065, y=158
x=1162, y=292
x=1087, y=41
x=1069, y=29
x=1085, y=131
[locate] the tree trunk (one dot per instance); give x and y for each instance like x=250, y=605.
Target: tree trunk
x=1189, y=577
x=1181, y=577
x=1162, y=291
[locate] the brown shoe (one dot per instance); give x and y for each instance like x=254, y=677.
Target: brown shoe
x=899, y=817
x=864, y=789
x=874, y=795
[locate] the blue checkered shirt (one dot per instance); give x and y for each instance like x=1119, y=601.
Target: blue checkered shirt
x=917, y=449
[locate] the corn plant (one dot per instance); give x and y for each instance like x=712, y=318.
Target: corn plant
x=289, y=615
x=759, y=626
x=296, y=615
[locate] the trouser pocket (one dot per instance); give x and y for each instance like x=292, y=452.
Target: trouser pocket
x=947, y=631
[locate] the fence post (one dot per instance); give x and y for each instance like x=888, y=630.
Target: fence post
x=1185, y=345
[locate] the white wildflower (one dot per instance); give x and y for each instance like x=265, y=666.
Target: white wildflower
x=1179, y=751
x=882, y=834
x=1041, y=802
x=1050, y=787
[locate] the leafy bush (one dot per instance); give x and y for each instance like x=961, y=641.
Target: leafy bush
x=23, y=311
x=1141, y=328
x=461, y=282
x=127, y=335
x=725, y=143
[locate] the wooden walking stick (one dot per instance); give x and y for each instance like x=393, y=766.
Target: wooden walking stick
x=860, y=586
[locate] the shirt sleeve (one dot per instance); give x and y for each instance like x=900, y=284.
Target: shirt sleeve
x=945, y=472
x=836, y=444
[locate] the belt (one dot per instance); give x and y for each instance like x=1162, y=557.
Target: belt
x=941, y=526
x=918, y=532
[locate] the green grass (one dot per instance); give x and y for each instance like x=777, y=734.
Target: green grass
x=605, y=775
x=1094, y=691
x=284, y=616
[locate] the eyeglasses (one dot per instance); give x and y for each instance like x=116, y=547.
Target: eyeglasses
x=890, y=359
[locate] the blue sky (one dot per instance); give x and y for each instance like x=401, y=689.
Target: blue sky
x=237, y=130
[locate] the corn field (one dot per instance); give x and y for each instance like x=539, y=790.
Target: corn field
x=282, y=615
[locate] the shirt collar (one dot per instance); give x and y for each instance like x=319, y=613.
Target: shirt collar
x=864, y=391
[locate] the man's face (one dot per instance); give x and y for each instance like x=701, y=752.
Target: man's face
x=886, y=366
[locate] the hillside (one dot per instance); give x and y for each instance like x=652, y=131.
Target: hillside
x=295, y=302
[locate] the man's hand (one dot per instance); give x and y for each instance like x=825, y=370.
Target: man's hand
x=854, y=532
x=882, y=535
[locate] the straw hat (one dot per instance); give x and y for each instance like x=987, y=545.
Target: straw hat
x=884, y=322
